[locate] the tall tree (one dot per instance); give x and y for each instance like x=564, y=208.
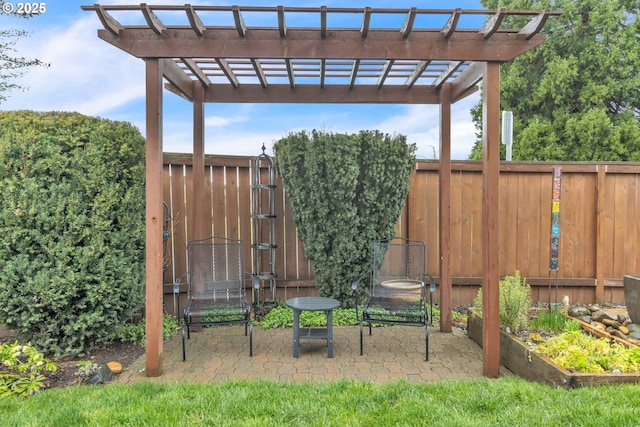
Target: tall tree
x=576, y=97
x=345, y=191
x=13, y=66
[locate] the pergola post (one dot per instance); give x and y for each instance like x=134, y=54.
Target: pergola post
x=490, y=220
x=444, y=191
x=201, y=221
x=154, y=219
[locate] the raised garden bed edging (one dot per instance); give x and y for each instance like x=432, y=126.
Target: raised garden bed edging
x=532, y=366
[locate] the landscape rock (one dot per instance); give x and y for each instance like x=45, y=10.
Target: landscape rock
x=103, y=375
x=623, y=329
x=633, y=327
x=634, y=335
x=600, y=315
x=579, y=311
x=617, y=333
x=115, y=367
x=610, y=322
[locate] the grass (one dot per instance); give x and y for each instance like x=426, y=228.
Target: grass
x=479, y=402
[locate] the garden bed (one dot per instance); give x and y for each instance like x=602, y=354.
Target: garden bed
x=530, y=365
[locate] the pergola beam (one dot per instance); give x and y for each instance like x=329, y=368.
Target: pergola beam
x=453, y=66
x=177, y=78
x=450, y=27
x=535, y=25
x=366, y=20
x=303, y=44
x=194, y=20
x=330, y=94
x=407, y=25
x=385, y=72
x=417, y=72
x=228, y=72
x=191, y=65
x=152, y=19
x=493, y=24
x=108, y=22
x=241, y=28
x=282, y=26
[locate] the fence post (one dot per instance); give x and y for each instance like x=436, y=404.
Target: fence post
x=601, y=184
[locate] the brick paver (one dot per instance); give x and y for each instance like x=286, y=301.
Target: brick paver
x=391, y=353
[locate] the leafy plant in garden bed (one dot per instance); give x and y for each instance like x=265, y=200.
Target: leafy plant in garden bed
x=554, y=335
x=22, y=369
x=135, y=332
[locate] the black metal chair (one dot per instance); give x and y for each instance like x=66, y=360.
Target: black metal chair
x=215, y=287
x=397, y=289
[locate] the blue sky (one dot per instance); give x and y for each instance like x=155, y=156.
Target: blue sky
x=92, y=77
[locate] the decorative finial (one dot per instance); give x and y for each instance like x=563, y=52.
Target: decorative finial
x=263, y=148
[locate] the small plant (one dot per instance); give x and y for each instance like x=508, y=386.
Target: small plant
x=22, y=370
x=282, y=317
x=86, y=368
x=515, y=301
x=552, y=321
x=135, y=332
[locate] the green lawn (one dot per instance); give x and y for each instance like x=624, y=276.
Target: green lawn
x=482, y=402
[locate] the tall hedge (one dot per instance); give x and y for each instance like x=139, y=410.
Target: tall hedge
x=344, y=191
x=71, y=227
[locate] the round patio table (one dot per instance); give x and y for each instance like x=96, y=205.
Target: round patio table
x=301, y=304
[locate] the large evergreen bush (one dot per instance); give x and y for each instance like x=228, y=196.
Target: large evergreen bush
x=345, y=191
x=72, y=227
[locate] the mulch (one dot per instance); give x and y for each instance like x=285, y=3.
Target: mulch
x=68, y=373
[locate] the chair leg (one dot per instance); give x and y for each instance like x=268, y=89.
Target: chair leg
x=361, y=349
x=184, y=351
x=250, y=339
x=426, y=338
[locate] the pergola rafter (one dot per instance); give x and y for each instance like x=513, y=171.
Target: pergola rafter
x=210, y=54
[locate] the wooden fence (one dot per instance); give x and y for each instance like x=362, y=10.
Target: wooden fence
x=599, y=225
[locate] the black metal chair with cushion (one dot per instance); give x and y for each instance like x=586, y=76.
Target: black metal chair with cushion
x=397, y=289
x=215, y=287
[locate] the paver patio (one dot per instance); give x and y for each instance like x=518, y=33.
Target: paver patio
x=392, y=353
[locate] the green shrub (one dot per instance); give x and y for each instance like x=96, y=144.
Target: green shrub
x=515, y=302
x=282, y=317
x=136, y=332
x=72, y=225
x=345, y=191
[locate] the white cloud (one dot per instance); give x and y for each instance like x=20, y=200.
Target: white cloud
x=219, y=121
x=85, y=74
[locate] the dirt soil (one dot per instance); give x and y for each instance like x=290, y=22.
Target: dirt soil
x=68, y=373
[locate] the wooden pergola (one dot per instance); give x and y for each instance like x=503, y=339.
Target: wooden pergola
x=256, y=54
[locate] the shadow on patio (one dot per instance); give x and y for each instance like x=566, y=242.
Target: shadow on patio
x=391, y=353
